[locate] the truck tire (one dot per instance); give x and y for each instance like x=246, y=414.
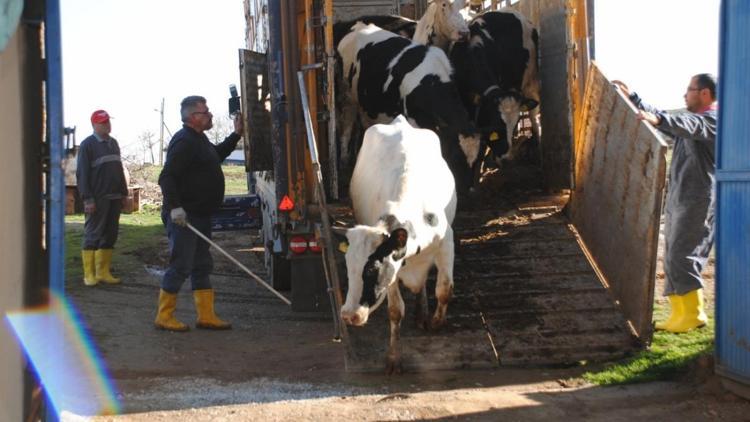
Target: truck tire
x=281, y=273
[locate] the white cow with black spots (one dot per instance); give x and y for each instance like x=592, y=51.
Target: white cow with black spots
x=404, y=201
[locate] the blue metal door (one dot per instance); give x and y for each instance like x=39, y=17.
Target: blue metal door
x=733, y=195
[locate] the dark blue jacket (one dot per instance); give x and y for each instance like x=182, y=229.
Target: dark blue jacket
x=192, y=177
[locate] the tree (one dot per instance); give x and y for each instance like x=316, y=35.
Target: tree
x=223, y=126
x=147, y=141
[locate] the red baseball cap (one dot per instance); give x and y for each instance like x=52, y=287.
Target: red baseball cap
x=99, y=116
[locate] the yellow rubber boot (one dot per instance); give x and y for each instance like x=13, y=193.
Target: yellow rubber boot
x=675, y=303
x=89, y=272
x=693, y=314
x=103, y=264
x=204, y=305
x=165, y=319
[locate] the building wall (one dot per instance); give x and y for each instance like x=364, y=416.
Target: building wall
x=733, y=196
x=12, y=236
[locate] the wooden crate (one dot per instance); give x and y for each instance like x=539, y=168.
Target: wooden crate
x=73, y=203
x=133, y=201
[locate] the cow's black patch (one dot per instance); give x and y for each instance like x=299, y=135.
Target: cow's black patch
x=369, y=282
x=394, y=244
x=505, y=52
x=373, y=65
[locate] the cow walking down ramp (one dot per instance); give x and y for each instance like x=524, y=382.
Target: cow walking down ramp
x=404, y=200
x=525, y=292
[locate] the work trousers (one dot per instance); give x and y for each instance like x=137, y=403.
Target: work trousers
x=188, y=254
x=689, y=232
x=100, y=227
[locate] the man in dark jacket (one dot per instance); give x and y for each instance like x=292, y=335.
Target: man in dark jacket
x=101, y=183
x=192, y=184
x=689, y=212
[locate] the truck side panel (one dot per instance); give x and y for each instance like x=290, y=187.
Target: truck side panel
x=616, y=204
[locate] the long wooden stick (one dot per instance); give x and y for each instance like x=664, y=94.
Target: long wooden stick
x=239, y=264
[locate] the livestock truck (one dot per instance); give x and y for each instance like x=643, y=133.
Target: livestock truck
x=556, y=262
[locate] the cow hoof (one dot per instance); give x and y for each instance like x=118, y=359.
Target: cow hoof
x=393, y=367
x=422, y=319
x=437, y=323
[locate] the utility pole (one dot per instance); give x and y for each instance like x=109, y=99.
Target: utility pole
x=161, y=133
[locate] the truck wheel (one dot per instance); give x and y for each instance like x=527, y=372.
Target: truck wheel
x=281, y=273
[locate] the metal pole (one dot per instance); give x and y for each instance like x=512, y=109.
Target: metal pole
x=161, y=133
x=54, y=224
x=334, y=291
x=331, y=100
x=239, y=264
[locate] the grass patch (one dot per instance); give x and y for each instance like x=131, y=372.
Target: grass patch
x=235, y=177
x=669, y=356
x=235, y=180
x=140, y=233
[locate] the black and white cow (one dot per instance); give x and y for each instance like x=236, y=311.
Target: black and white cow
x=385, y=75
x=502, y=48
x=404, y=201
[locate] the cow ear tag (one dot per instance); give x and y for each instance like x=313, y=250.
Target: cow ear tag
x=494, y=136
x=343, y=247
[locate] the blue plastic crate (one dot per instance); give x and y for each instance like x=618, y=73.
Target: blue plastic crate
x=237, y=212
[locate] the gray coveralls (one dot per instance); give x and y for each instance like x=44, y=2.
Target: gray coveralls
x=101, y=180
x=690, y=206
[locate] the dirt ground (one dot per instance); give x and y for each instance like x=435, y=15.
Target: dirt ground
x=276, y=364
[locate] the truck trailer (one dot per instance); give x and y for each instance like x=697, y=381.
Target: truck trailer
x=557, y=262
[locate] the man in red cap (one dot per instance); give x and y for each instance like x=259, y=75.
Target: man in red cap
x=101, y=183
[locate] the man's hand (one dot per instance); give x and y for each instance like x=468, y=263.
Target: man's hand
x=649, y=117
x=239, y=124
x=89, y=207
x=178, y=216
x=622, y=87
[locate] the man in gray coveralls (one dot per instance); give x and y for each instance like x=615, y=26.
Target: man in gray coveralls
x=101, y=183
x=690, y=198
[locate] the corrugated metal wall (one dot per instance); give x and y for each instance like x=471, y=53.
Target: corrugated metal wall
x=733, y=195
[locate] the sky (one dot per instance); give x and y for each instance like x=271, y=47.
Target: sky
x=656, y=46
x=125, y=56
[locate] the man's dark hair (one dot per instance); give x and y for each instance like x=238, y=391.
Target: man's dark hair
x=707, y=81
x=189, y=104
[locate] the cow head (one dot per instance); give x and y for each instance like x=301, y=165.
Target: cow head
x=505, y=110
x=373, y=258
x=449, y=23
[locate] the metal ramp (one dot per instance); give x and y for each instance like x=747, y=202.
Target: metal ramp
x=525, y=294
